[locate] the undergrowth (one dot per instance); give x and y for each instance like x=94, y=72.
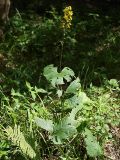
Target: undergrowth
x=60, y=121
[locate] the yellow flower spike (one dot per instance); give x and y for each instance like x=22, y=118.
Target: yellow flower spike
x=67, y=18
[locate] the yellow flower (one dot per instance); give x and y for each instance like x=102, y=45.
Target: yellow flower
x=67, y=18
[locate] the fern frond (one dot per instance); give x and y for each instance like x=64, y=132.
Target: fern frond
x=18, y=139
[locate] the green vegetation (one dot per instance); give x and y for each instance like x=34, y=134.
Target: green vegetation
x=60, y=86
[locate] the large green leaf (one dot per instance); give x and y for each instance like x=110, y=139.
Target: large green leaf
x=63, y=130
x=78, y=100
x=73, y=102
x=51, y=74
x=74, y=86
x=44, y=124
x=67, y=73
x=92, y=146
